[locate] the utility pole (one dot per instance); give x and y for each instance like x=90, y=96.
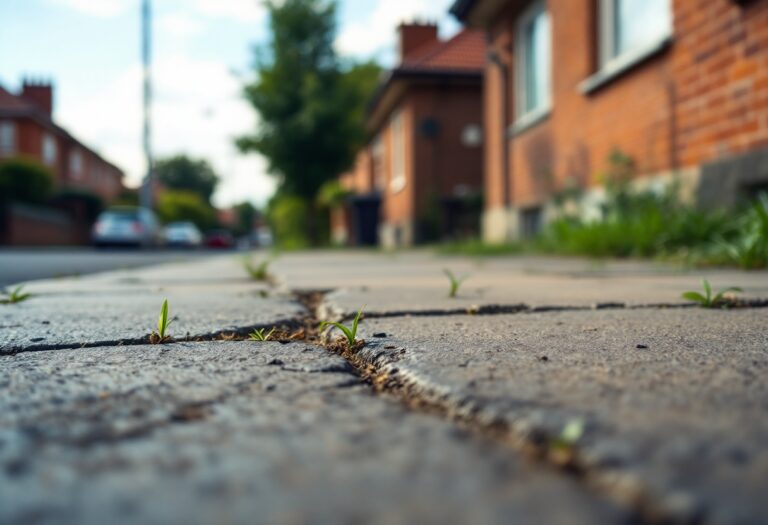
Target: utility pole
x=146, y=196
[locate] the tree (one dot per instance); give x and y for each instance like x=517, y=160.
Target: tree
x=245, y=214
x=25, y=180
x=187, y=174
x=173, y=206
x=311, y=105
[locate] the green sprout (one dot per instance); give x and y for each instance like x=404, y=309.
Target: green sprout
x=257, y=271
x=455, y=282
x=706, y=300
x=16, y=296
x=259, y=335
x=349, y=333
x=162, y=325
x=569, y=436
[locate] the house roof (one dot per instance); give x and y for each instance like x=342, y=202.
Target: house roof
x=463, y=52
x=460, y=58
x=16, y=106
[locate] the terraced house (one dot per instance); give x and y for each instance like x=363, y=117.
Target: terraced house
x=678, y=86
x=27, y=130
x=420, y=176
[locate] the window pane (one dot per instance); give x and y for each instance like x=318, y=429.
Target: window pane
x=7, y=137
x=537, y=61
x=639, y=23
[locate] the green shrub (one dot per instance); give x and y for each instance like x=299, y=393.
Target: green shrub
x=25, y=180
x=289, y=217
x=173, y=206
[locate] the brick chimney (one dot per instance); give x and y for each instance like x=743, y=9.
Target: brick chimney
x=415, y=36
x=40, y=93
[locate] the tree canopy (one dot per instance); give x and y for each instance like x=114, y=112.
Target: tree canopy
x=183, y=173
x=311, y=104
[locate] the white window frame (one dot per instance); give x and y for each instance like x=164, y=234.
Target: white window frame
x=610, y=60
x=50, y=149
x=397, y=157
x=524, y=117
x=8, y=148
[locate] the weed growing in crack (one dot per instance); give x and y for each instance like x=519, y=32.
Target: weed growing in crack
x=163, y=322
x=16, y=296
x=707, y=300
x=257, y=271
x=259, y=335
x=455, y=282
x=562, y=448
x=350, y=333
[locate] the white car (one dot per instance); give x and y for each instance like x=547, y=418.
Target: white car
x=127, y=226
x=183, y=235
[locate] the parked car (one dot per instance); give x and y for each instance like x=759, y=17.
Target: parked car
x=127, y=226
x=219, y=239
x=183, y=235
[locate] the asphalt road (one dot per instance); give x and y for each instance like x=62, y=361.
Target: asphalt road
x=18, y=265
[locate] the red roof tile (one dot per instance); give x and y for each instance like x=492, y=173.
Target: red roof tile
x=463, y=52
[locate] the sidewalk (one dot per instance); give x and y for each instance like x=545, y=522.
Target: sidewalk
x=453, y=412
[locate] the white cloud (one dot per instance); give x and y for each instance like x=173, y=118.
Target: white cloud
x=98, y=8
x=197, y=110
x=377, y=32
x=179, y=25
x=240, y=10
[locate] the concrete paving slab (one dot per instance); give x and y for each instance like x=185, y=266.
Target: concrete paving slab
x=50, y=321
x=415, y=281
x=237, y=432
x=675, y=399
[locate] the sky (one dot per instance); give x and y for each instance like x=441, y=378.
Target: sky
x=202, y=55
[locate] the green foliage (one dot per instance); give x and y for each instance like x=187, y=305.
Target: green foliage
x=289, y=217
x=259, y=335
x=706, y=300
x=25, y=180
x=569, y=436
x=257, y=271
x=127, y=197
x=455, y=282
x=83, y=201
x=311, y=106
x=245, y=214
x=332, y=194
x=749, y=249
x=350, y=333
x=16, y=296
x=183, y=173
x=479, y=248
x=174, y=206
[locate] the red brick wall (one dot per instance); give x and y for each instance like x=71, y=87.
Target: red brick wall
x=703, y=98
x=28, y=226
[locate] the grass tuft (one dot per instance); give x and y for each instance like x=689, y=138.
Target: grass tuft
x=350, y=333
x=259, y=335
x=455, y=282
x=163, y=322
x=707, y=300
x=16, y=296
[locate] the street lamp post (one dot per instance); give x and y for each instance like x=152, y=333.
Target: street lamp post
x=146, y=197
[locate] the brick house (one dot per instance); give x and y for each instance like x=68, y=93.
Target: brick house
x=679, y=86
x=416, y=179
x=27, y=130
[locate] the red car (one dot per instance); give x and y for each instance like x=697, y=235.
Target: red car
x=219, y=239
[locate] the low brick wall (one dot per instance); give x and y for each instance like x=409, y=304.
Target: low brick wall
x=32, y=226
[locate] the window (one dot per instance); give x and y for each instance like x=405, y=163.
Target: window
x=76, y=164
x=533, y=52
x=7, y=138
x=398, y=153
x=632, y=28
x=49, y=149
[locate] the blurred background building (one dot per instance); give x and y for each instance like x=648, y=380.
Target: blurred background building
x=59, y=211
x=668, y=88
